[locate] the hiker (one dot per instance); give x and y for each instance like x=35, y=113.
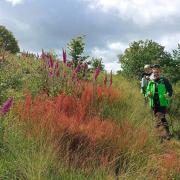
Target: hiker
x=146, y=76
x=159, y=91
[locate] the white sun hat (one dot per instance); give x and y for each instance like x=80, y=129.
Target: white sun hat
x=147, y=66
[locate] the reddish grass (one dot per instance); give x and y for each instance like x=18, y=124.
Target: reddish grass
x=81, y=135
x=171, y=162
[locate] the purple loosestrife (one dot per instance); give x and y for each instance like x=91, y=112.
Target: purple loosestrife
x=50, y=62
x=110, y=84
x=57, y=69
x=6, y=106
x=78, y=68
x=43, y=54
x=50, y=66
x=97, y=72
x=43, y=58
x=64, y=56
x=74, y=74
x=56, y=65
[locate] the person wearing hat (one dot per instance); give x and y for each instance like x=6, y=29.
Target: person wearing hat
x=159, y=91
x=145, y=78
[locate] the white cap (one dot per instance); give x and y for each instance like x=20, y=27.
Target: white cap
x=147, y=66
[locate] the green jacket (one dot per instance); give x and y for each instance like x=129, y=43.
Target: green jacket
x=163, y=87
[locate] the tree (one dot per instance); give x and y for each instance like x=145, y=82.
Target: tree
x=173, y=70
x=95, y=62
x=140, y=53
x=76, y=49
x=8, y=41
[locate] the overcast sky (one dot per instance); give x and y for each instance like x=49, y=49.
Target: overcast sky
x=109, y=25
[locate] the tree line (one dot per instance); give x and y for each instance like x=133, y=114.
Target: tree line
x=141, y=52
x=131, y=61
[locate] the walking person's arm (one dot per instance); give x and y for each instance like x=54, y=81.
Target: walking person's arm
x=168, y=87
x=148, y=91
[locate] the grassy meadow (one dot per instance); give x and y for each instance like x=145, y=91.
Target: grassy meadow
x=64, y=127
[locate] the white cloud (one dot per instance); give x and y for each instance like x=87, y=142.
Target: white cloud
x=14, y=2
x=117, y=46
x=109, y=55
x=170, y=41
x=141, y=12
x=114, y=66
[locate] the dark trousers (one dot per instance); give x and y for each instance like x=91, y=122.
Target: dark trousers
x=161, y=125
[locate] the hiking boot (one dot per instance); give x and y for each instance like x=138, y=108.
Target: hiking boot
x=168, y=137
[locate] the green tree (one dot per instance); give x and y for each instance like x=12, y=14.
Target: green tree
x=76, y=49
x=95, y=62
x=8, y=41
x=173, y=69
x=140, y=53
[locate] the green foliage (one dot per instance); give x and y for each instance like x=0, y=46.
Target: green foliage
x=173, y=70
x=140, y=53
x=174, y=111
x=8, y=41
x=10, y=81
x=76, y=49
x=26, y=156
x=23, y=157
x=95, y=62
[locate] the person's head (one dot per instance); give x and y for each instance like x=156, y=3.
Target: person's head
x=156, y=71
x=147, y=68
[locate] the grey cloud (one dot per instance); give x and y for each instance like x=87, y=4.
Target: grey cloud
x=51, y=24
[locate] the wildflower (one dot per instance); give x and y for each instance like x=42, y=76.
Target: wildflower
x=6, y=106
x=57, y=69
x=50, y=62
x=110, y=79
x=78, y=68
x=64, y=56
x=97, y=72
x=56, y=65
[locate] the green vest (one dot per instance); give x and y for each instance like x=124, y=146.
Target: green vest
x=161, y=92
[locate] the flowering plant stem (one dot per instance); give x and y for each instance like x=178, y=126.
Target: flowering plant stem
x=94, y=94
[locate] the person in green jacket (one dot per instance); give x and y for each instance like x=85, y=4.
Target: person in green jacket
x=159, y=91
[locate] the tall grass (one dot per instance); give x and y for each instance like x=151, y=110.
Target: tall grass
x=78, y=129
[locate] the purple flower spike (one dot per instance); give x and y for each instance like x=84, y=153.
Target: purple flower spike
x=50, y=62
x=43, y=55
x=111, y=81
x=97, y=72
x=6, y=106
x=78, y=68
x=64, y=56
x=57, y=69
x=57, y=65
